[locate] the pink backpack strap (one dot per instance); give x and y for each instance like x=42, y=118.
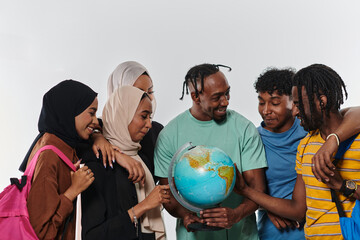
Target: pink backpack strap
x=31, y=168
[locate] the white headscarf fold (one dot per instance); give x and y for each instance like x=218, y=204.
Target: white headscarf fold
x=117, y=114
x=125, y=74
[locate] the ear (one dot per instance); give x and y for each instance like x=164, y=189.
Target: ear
x=194, y=98
x=323, y=102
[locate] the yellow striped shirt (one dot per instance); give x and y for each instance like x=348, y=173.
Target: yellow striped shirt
x=322, y=219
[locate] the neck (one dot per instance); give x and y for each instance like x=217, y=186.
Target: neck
x=330, y=123
x=197, y=113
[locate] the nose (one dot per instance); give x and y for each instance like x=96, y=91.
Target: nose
x=95, y=120
x=151, y=96
x=148, y=123
x=266, y=109
x=224, y=101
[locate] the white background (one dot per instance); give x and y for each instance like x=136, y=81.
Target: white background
x=44, y=42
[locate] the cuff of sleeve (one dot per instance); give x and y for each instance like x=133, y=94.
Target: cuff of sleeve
x=66, y=206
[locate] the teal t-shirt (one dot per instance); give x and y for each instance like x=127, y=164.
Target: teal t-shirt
x=236, y=136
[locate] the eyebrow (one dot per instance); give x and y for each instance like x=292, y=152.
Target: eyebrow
x=94, y=108
x=220, y=93
x=276, y=97
x=150, y=87
x=146, y=111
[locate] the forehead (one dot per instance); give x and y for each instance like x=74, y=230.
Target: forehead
x=295, y=94
x=216, y=82
x=144, y=105
x=143, y=82
x=275, y=94
x=94, y=104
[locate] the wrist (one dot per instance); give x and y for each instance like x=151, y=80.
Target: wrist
x=334, y=136
x=348, y=188
x=70, y=194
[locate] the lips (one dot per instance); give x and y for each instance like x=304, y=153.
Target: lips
x=269, y=121
x=90, y=129
x=221, y=111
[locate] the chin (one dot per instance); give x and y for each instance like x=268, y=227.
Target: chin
x=220, y=120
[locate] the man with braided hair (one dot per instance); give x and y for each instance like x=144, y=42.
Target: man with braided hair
x=317, y=92
x=209, y=122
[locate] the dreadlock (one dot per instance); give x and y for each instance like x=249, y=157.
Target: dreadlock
x=318, y=80
x=197, y=74
x=273, y=79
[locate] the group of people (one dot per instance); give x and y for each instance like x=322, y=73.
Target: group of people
x=284, y=166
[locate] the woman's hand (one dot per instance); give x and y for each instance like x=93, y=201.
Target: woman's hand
x=107, y=150
x=80, y=180
x=159, y=195
x=134, y=167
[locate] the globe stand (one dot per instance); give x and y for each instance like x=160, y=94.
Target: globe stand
x=193, y=226
x=202, y=227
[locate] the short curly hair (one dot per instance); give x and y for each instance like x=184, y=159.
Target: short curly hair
x=274, y=79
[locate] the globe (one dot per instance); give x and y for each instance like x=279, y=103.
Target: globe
x=204, y=176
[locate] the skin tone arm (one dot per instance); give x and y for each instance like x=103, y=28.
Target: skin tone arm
x=282, y=223
x=107, y=150
x=294, y=209
x=135, y=169
x=159, y=195
x=226, y=217
x=178, y=211
x=322, y=160
x=334, y=181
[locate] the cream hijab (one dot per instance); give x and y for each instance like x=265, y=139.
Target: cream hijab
x=117, y=114
x=126, y=74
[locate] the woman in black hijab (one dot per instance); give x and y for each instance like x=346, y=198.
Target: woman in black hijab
x=68, y=116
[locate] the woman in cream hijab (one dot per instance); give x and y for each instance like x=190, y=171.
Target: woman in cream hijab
x=114, y=207
x=132, y=73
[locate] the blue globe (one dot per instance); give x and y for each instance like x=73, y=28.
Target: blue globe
x=204, y=176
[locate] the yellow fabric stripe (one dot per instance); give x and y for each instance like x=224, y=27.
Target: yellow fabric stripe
x=322, y=219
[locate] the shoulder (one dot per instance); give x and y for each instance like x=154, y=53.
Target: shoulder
x=179, y=118
x=175, y=123
x=240, y=123
x=234, y=116
x=303, y=142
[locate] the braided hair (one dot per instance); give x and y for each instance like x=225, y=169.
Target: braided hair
x=318, y=80
x=273, y=79
x=197, y=74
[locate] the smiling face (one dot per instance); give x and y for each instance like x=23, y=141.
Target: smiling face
x=144, y=83
x=141, y=122
x=276, y=111
x=214, y=99
x=309, y=121
x=86, y=121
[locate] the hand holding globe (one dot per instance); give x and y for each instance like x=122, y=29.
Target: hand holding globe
x=201, y=177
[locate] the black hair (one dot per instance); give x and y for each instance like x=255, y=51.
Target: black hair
x=144, y=96
x=319, y=79
x=145, y=73
x=273, y=79
x=197, y=74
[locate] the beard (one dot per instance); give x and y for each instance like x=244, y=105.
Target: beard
x=220, y=120
x=311, y=124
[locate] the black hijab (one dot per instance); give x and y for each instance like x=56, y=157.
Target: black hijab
x=61, y=104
